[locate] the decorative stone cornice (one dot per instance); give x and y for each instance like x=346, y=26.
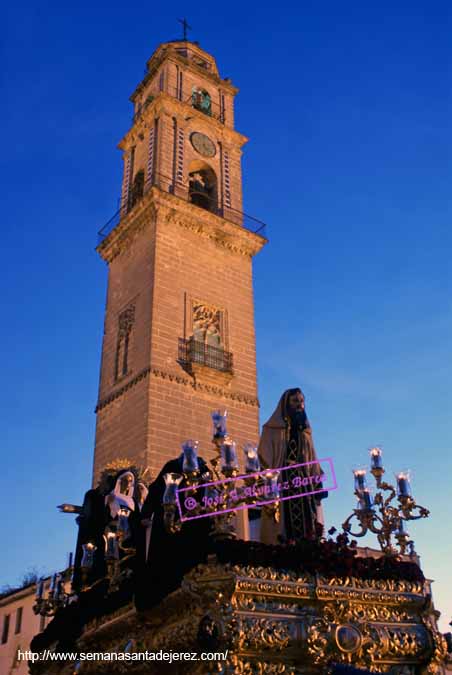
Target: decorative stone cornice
x=222, y=232
x=208, y=388
x=185, y=381
x=158, y=206
x=122, y=390
x=172, y=377
x=122, y=236
x=165, y=104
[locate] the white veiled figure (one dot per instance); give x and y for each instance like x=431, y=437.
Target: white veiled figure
x=121, y=497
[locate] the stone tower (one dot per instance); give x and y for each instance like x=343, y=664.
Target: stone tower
x=179, y=336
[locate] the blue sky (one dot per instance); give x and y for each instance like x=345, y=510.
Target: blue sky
x=348, y=111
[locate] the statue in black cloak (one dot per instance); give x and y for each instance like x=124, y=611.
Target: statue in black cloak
x=100, y=511
x=165, y=558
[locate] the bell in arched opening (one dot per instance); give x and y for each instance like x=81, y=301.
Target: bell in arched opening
x=202, y=186
x=137, y=190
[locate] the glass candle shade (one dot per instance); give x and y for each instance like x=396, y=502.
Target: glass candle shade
x=365, y=501
x=40, y=589
x=111, y=546
x=172, y=481
x=219, y=423
x=211, y=497
x=271, y=485
x=229, y=456
x=190, y=462
x=376, y=459
x=252, y=463
x=88, y=555
x=123, y=522
x=53, y=583
x=403, y=484
x=402, y=530
x=70, y=559
x=360, y=479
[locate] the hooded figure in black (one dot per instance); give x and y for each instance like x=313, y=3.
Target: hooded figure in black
x=166, y=559
x=100, y=509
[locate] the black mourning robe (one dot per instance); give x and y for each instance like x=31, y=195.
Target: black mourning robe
x=170, y=556
x=91, y=522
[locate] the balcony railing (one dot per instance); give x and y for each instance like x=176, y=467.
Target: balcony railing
x=193, y=351
x=182, y=191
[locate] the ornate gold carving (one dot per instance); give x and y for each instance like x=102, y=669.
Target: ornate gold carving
x=270, y=574
x=264, y=633
x=239, y=666
x=275, y=621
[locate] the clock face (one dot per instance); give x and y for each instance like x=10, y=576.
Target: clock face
x=203, y=144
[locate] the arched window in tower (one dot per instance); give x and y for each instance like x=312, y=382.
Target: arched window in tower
x=202, y=186
x=125, y=323
x=201, y=100
x=137, y=190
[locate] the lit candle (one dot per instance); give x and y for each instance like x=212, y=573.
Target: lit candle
x=123, y=522
x=360, y=479
x=40, y=589
x=53, y=584
x=271, y=486
x=252, y=458
x=172, y=481
x=190, y=462
x=403, y=484
x=88, y=555
x=219, y=423
x=229, y=456
x=365, y=500
x=111, y=547
x=376, y=459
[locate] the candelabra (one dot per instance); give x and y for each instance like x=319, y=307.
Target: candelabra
x=223, y=470
x=382, y=515
x=56, y=597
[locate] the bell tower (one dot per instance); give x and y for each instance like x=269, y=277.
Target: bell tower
x=179, y=336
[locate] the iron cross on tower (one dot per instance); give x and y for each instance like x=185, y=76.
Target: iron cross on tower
x=186, y=27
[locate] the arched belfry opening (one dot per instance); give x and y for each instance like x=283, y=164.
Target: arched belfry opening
x=137, y=191
x=202, y=186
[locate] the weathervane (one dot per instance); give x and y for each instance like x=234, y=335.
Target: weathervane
x=186, y=27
